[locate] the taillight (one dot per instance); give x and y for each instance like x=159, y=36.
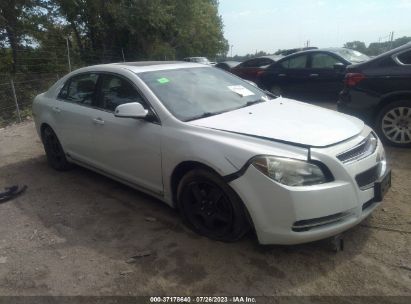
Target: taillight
x=352, y=79
x=259, y=73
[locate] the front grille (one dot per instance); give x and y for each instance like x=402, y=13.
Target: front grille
x=305, y=225
x=367, y=178
x=362, y=150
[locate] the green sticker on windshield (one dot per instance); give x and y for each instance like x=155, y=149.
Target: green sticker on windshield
x=163, y=80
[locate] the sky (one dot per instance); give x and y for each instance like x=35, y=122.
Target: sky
x=269, y=25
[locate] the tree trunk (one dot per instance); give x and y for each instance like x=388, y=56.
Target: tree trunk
x=14, y=46
x=9, y=19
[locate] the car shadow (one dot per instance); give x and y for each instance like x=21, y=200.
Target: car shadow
x=112, y=222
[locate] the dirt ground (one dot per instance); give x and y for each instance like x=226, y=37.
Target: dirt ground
x=72, y=233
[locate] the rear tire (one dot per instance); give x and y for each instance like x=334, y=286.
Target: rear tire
x=210, y=207
x=393, y=124
x=54, y=151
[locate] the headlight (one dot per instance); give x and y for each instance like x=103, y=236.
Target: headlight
x=372, y=144
x=290, y=172
x=381, y=158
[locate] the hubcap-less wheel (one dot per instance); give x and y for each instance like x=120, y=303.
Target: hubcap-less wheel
x=211, y=207
x=208, y=208
x=55, y=153
x=396, y=125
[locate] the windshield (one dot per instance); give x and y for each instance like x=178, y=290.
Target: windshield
x=351, y=55
x=192, y=93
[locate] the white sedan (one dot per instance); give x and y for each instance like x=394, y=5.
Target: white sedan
x=228, y=155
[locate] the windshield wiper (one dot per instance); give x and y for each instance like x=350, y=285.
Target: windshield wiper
x=271, y=94
x=203, y=115
x=250, y=103
x=253, y=102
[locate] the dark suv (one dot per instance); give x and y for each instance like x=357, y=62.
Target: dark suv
x=379, y=92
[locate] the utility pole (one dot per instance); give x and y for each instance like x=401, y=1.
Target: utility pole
x=392, y=39
x=122, y=53
x=231, y=51
x=68, y=54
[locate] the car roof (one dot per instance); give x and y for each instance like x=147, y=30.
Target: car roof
x=273, y=57
x=326, y=50
x=323, y=50
x=230, y=62
x=145, y=66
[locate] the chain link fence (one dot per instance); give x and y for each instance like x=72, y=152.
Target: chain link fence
x=17, y=94
x=39, y=69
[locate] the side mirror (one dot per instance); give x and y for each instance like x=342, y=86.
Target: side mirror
x=131, y=110
x=340, y=67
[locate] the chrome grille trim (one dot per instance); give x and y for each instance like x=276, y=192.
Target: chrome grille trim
x=359, y=151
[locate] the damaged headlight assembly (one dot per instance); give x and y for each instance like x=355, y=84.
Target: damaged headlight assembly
x=292, y=172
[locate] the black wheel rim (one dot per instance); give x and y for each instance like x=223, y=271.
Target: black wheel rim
x=208, y=208
x=53, y=147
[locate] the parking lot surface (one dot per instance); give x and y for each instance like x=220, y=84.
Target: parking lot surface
x=73, y=233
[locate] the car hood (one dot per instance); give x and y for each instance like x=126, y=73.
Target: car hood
x=288, y=121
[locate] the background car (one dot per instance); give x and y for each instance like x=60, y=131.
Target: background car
x=227, y=65
x=249, y=69
x=379, y=92
x=202, y=60
x=311, y=75
x=292, y=51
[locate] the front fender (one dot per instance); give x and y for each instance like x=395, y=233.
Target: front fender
x=223, y=152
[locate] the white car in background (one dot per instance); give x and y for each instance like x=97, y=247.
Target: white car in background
x=202, y=60
x=228, y=155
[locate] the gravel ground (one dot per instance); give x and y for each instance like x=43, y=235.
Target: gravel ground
x=72, y=233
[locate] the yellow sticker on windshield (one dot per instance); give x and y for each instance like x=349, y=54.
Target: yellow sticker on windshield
x=163, y=80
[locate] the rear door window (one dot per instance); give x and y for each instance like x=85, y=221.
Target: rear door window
x=265, y=61
x=249, y=63
x=298, y=62
x=323, y=61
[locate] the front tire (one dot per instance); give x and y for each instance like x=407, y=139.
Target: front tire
x=393, y=124
x=54, y=151
x=210, y=207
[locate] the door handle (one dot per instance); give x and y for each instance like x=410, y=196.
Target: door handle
x=314, y=75
x=98, y=121
x=56, y=109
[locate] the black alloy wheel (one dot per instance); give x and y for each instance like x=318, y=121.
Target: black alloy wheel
x=54, y=151
x=211, y=207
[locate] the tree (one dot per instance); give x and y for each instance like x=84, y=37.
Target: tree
x=18, y=20
x=144, y=29
x=376, y=48
x=356, y=45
